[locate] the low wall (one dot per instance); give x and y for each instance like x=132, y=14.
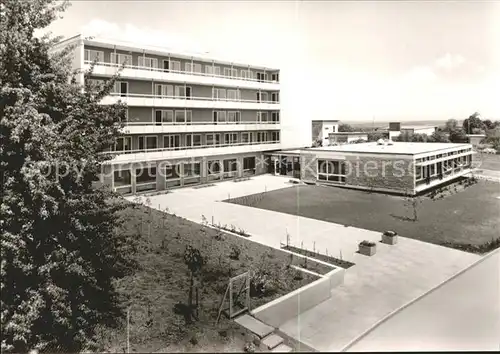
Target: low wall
x=289, y=306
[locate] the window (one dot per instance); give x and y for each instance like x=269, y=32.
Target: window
x=275, y=97
x=122, y=178
x=249, y=163
x=230, y=165
x=275, y=136
x=275, y=117
x=172, y=172
x=261, y=77
x=233, y=95
x=275, y=77
x=166, y=65
x=233, y=116
x=148, y=142
x=145, y=175
x=234, y=72
x=183, y=116
x=123, y=144
x=147, y=62
x=213, y=139
x=230, y=138
x=212, y=70
x=183, y=91
x=193, y=140
x=164, y=90
x=91, y=55
x=171, y=141
x=192, y=169
x=219, y=116
x=116, y=58
x=331, y=170
x=175, y=65
x=418, y=173
x=261, y=137
x=192, y=67
x=164, y=116
x=218, y=93
x=246, y=137
x=121, y=87
x=433, y=169
x=214, y=167
x=262, y=117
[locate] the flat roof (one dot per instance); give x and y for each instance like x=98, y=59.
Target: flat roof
x=463, y=314
x=397, y=148
x=157, y=50
x=348, y=133
x=326, y=120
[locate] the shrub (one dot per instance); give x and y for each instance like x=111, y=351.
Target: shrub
x=390, y=233
x=367, y=243
x=235, y=252
x=249, y=347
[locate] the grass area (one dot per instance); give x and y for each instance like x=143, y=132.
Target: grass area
x=162, y=281
x=468, y=216
x=488, y=161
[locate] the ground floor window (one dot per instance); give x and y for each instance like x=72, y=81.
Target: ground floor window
x=249, y=165
x=331, y=170
x=172, y=176
x=230, y=168
x=145, y=179
x=192, y=172
x=122, y=181
x=214, y=170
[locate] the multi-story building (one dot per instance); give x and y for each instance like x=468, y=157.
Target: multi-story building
x=190, y=119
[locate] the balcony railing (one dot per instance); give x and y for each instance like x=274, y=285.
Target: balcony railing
x=147, y=68
x=190, y=98
x=177, y=148
x=198, y=123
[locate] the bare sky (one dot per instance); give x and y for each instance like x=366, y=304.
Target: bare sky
x=348, y=60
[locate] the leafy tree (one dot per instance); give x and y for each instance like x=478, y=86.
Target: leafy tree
x=374, y=136
x=451, y=125
x=346, y=128
x=60, y=251
x=458, y=136
x=194, y=261
x=488, y=124
x=439, y=137
x=473, y=122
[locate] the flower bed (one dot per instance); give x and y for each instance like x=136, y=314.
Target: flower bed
x=328, y=259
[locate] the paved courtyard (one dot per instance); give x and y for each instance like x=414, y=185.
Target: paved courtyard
x=375, y=287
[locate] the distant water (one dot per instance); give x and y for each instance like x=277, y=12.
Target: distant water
x=383, y=124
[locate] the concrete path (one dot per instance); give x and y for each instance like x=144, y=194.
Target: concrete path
x=373, y=288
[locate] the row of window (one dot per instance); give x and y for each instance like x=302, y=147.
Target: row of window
x=331, y=170
x=186, y=92
x=443, y=167
x=189, y=172
x=175, y=66
x=438, y=156
x=169, y=116
x=173, y=141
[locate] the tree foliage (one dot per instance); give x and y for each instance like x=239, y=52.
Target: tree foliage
x=473, y=124
x=346, y=128
x=59, y=249
x=450, y=125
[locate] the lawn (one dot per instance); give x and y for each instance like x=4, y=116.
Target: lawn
x=162, y=281
x=488, y=161
x=470, y=215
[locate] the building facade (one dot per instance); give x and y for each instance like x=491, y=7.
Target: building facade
x=190, y=119
x=346, y=137
x=322, y=128
x=396, y=129
x=396, y=167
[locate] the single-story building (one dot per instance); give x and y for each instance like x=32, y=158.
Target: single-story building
x=321, y=128
x=395, y=167
x=346, y=137
x=475, y=139
x=396, y=129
